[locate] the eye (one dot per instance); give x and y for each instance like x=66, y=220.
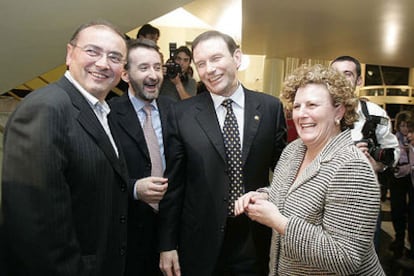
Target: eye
x=201, y=65
x=92, y=52
x=115, y=58
x=158, y=67
x=143, y=68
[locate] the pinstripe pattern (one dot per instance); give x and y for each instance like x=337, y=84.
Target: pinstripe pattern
x=332, y=209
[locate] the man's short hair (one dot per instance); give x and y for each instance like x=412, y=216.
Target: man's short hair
x=148, y=29
x=351, y=59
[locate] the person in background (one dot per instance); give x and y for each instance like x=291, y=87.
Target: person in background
x=143, y=73
x=401, y=189
x=182, y=85
x=207, y=170
x=380, y=130
x=64, y=198
x=324, y=199
x=149, y=32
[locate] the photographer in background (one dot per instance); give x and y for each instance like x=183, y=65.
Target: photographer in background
x=178, y=80
x=382, y=139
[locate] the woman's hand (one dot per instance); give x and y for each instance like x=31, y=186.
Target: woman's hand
x=243, y=201
x=266, y=213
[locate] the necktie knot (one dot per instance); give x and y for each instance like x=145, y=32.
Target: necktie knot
x=227, y=103
x=147, y=110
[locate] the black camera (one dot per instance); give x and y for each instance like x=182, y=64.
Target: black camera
x=385, y=156
x=173, y=68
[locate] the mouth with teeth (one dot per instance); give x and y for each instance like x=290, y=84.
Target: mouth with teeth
x=150, y=87
x=214, y=79
x=98, y=75
x=307, y=125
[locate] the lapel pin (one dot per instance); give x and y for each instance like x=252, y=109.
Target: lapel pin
x=256, y=117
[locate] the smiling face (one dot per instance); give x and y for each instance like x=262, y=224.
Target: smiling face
x=314, y=115
x=216, y=66
x=97, y=75
x=144, y=73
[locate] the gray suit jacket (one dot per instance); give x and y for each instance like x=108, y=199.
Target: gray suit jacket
x=64, y=189
x=332, y=209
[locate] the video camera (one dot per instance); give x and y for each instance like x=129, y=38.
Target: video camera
x=173, y=68
x=385, y=156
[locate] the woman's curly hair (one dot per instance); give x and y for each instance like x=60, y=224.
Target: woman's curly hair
x=339, y=88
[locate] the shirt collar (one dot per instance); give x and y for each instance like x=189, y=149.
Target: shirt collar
x=139, y=103
x=237, y=97
x=91, y=99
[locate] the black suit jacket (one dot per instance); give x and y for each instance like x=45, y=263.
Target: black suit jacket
x=142, y=254
x=64, y=190
x=193, y=212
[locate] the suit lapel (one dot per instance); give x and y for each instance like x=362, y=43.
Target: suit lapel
x=207, y=119
x=91, y=125
x=252, y=119
x=128, y=120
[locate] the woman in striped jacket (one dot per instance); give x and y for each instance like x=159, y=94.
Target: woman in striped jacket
x=324, y=199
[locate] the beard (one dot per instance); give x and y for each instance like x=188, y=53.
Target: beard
x=141, y=93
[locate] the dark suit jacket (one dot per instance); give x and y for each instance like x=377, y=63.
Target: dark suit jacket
x=193, y=212
x=64, y=189
x=142, y=254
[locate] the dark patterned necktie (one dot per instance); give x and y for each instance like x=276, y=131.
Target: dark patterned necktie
x=233, y=154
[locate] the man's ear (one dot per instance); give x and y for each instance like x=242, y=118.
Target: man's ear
x=359, y=81
x=125, y=76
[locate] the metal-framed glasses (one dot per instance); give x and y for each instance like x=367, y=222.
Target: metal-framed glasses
x=96, y=53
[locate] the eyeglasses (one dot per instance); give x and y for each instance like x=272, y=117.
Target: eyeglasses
x=96, y=53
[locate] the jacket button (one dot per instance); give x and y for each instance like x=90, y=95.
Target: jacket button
x=123, y=188
x=122, y=251
x=122, y=219
x=222, y=229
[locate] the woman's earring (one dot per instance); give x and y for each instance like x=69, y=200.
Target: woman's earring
x=337, y=122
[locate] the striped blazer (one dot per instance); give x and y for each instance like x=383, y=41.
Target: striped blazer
x=332, y=209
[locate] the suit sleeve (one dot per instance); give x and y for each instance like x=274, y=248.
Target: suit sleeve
x=171, y=205
x=36, y=196
x=280, y=136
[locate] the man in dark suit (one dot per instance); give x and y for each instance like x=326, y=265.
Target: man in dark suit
x=146, y=187
x=64, y=197
x=199, y=234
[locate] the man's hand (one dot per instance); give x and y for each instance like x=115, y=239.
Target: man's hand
x=242, y=202
x=377, y=166
x=169, y=264
x=151, y=189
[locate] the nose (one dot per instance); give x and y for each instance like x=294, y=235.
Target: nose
x=152, y=73
x=102, y=61
x=210, y=67
x=299, y=111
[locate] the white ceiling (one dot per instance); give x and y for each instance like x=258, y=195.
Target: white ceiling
x=34, y=33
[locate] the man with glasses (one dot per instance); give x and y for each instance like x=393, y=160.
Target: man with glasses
x=64, y=187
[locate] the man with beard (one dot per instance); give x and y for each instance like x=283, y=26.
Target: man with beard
x=140, y=113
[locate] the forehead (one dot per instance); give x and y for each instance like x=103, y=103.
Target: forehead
x=144, y=55
x=182, y=54
x=210, y=46
x=102, y=36
x=344, y=65
x=312, y=91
